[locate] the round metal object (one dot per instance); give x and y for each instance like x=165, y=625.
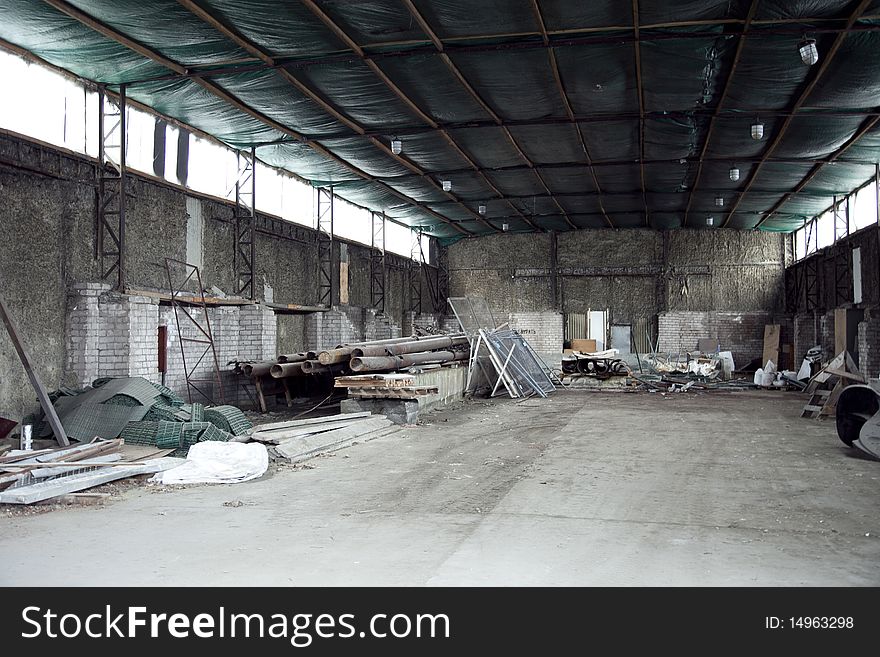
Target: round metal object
x=855, y=406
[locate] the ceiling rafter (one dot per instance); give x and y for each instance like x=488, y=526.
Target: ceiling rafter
x=802, y=98
x=216, y=90
x=865, y=128
x=554, y=67
x=350, y=43
x=740, y=46
x=245, y=44
x=638, y=52
x=453, y=68
x=525, y=41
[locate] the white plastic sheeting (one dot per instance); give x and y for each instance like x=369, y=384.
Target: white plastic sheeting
x=215, y=462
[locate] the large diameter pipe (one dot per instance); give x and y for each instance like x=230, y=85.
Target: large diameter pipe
x=297, y=358
x=414, y=347
x=338, y=355
x=380, y=363
x=285, y=370
x=256, y=369
x=314, y=367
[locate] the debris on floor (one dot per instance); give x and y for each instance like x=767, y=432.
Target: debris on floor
x=142, y=413
x=30, y=476
x=383, y=386
x=297, y=440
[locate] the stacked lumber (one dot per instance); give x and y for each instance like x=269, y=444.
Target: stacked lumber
x=33, y=476
x=384, y=386
x=825, y=387
x=297, y=440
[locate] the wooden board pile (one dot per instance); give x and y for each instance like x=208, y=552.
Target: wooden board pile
x=297, y=440
x=825, y=387
x=27, y=477
x=383, y=386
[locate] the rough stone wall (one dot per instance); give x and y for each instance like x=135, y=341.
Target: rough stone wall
x=49, y=224
x=633, y=273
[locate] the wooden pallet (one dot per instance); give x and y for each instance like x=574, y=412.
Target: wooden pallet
x=382, y=392
x=373, y=380
x=813, y=408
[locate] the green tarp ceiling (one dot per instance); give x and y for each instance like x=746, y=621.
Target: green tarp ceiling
x=554, y=115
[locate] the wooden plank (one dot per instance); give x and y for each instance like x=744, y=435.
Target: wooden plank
x=42, y=394
x=771, y=344
x=303, y=447
x=274, y=426
x=276, y=437
x=855, y=376
x=45, y=490
x=839, y=330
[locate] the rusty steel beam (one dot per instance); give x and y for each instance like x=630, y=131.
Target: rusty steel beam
x=740, y=45
x=802, y=98
x=216, y=90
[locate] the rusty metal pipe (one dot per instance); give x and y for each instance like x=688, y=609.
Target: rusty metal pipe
x=297, y=358
x=314, y=367
x=285, y=370
x=412, y=347
x=380, y=363
x=257, y=369
x=338, y=355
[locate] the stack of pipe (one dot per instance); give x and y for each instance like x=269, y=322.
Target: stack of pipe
x=371, y=356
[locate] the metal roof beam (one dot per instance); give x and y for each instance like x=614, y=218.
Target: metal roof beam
x=554, y=67
x=638, y=48
x=456, y=72
x=802, y=98
x=216, y=90
x=244, y=43
x=865, y=128
x=425, y=118
x=740, y=45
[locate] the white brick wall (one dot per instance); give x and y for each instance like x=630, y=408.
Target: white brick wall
x=543, y=330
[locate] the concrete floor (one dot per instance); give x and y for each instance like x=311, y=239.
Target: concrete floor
x=579, y=489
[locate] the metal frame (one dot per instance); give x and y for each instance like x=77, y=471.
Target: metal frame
x=110, y=238
x=843, y=281
x=202, y=326
x=840, y=210
x=244, y=254
x=324, y=226
x=414, y=272
x=377, y=262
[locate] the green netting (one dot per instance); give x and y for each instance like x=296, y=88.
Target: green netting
x=169, y=434
x=140, y=433
x=123, y=400
x=162, y=412
x=214, y=433
x=229, y=419
x=686, y=50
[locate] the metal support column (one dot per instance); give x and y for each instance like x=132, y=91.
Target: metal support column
x=245, y=230
x=110, y=237
x=554, y=273
x=377, y=263
x=415, y=273
x=840, y=210
x=324, y=210
x=442, y=281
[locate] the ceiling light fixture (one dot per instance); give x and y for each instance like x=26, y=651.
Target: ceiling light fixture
x=808, y=51
x=719, y=201
x=481, y=208
x=710, y=220
x=396, y=146
x=757, y=130
x=447, y=185
x=505, y=226
x=734, y=173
